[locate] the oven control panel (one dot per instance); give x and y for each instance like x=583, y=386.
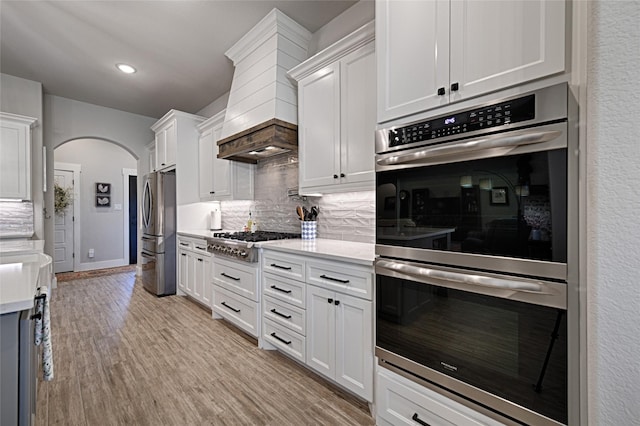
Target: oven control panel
x=499, y=114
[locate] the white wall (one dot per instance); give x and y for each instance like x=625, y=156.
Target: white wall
x=613, y=236
x=101, y=228
x=24, y=97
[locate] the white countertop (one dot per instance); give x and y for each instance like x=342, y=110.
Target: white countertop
x=197, y=233
x=360, y=253
x=19, y=280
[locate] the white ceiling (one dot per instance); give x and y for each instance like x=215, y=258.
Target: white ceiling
x=178, y=47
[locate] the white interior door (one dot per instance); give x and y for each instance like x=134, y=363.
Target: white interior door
x=63, y=227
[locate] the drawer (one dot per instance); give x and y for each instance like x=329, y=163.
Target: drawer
x=284, y=339
x=236, y=278
x=342, y=277
x=185, y=243
x=241, y=312
x=194, y=244
x=284, y=289
x=283, y=265
x=284, y=314
x=401, y=401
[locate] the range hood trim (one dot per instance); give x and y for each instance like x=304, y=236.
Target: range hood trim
x=274, y=132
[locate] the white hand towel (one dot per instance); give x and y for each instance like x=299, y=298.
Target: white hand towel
x=43, y=333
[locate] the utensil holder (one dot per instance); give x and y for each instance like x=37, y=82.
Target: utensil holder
x=309, y=229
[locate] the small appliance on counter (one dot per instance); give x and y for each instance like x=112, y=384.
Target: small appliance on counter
x=216, y=217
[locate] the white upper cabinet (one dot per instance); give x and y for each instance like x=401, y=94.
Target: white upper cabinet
x=15, y=156
x=220, y=179
x=433, y=53
x=166, y=145
x=336, y=116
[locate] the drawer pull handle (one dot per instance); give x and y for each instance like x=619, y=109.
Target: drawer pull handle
x=280, y=289
x=275, y=336
x=229, y=276
x=416, y=419
x=201, y=248
x=185, y=245
x=183, y=254
x=227, y=306
x=200, y=260
x=281, y=314
x=286, y=268
x=334, y=279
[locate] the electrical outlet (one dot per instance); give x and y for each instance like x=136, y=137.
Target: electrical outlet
x=91, y=253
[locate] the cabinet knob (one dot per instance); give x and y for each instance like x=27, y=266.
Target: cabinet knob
x=212, y=192
x=335, y=176
x=441, y=91
x=337, y=302
x=330, y=300
x=455, y=87
x=341, y=174
x=163, y=164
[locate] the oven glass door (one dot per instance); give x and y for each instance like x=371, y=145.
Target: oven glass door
x=511, y=205
x=491, y=343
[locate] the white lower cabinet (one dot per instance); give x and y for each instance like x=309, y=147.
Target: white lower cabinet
x=236, y=294
x=340, y=339
x=194, y=269
x=319, y=312
x=400, y=401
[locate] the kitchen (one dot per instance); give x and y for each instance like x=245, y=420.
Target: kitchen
x=602, y=248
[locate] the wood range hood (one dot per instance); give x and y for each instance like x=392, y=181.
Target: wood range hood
x=273, y=137
x=262, y=112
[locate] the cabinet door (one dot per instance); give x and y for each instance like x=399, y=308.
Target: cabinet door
x=161, y=149
x=412, y=50
x=496, y=44
x=183, y=270
x=152, y=159
x=191, y=273
x=358, y=115
x=171, y=143
x=354, y=345
x=319, y=127
x=321, y=318
x=205, y=165
x=207, y=287
x=15, y=161
x=221, y=172
x=199, y=277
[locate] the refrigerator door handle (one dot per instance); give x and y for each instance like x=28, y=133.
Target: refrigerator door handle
x=146, y=213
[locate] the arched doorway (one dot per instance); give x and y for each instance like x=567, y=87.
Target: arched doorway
x=101, y=219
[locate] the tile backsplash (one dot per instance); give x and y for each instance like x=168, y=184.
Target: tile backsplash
x=16, y=219
x=347, y=216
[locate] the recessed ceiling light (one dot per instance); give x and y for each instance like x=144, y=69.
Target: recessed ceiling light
x=127, y=69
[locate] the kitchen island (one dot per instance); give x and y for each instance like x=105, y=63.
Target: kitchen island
x=23, y=269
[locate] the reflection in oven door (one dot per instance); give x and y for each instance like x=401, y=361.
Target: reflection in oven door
x=508, y=349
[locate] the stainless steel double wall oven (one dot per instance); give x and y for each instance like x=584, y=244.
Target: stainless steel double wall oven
x=477, y=294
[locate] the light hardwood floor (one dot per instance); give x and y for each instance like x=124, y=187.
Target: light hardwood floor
x=124, y=356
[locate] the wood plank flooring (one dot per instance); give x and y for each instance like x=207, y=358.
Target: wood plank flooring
x=125, y=357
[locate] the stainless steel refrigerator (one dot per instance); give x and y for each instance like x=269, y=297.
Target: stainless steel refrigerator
x=158, y=214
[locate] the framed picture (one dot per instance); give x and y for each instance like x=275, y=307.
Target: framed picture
x=499, y=196
x=103, y=188
x=103, y=201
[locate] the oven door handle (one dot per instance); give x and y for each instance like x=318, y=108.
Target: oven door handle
x=476, y=283
x=503, y=140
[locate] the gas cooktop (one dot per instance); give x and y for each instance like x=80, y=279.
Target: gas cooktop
x=239, y=245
